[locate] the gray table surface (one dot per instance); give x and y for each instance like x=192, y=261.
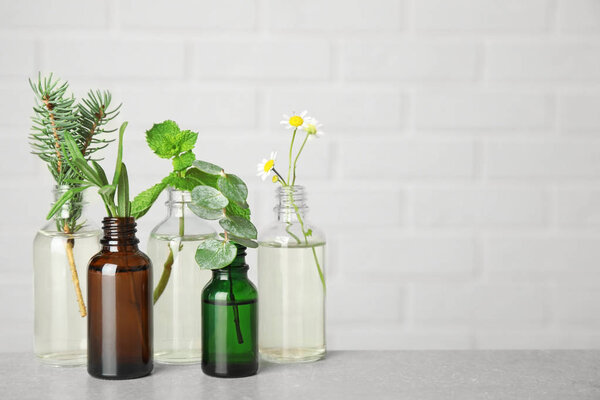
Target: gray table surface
x=343, y=375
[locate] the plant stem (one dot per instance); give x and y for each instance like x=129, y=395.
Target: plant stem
x=291, y=148
x=236, y=311
x=313, y=249
x=298, y=156
x=168, y=266
x=164, y=278
x=75, y=277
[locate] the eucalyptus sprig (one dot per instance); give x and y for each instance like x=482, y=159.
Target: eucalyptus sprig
x=216, y=195
x=90, y=174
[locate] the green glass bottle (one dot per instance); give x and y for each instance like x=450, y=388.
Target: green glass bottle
x=230, y=322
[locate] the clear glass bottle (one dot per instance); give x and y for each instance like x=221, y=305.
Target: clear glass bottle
x=291, y=283
x=230, y=323
x=61, y=251
x=120, y=305
x=178, y=281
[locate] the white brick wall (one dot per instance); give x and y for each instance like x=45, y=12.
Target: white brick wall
x=458, y=182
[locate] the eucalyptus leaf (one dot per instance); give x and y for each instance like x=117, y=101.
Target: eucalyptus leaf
x=243, y=241
x=201, y=178
x=206, y=213
x=207, y=197
x=215, y=254
x=239, y=226
x=234, y=209
x=207, y=167
x=234, y=189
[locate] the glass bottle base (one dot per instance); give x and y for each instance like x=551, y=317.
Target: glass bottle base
x=64, y=359
x=292, y=355
x=220, y=370
x=125, y=372
x=178, y=357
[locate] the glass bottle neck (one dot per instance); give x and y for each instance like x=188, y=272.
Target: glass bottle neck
x=238, y=269
x=177, y=204
x=67, y=216
x=119, y=234
x=291, y=203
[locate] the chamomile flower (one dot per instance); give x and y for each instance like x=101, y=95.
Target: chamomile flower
x=312, y=127
x=264, y=168
x=294, y=121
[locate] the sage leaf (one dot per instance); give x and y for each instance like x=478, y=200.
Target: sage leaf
x=117, y=175
x=234, y=189
x=144, y=201
x=207, y=167
x=215, y=254
x=183, y=161
x=207, y=197
x=243, y=241
x=100, y=172
x=239, y=226
x=206, y=213
x=68, y=195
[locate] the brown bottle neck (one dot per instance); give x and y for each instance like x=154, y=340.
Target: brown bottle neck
x=119, y=234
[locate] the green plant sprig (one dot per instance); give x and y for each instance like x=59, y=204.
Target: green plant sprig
x=216, y=195
x=91, y=174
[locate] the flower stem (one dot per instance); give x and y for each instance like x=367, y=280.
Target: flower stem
x=296, y=159
x=321, y=276
x=291, y=148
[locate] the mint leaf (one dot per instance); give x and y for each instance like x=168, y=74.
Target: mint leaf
x=186, y=140
x=183, y=161
x=215, y=254
x=234, y=189
x=143, y=201
x=207, y=197
x=207, y=167
x=167, y=141
x=239, y=226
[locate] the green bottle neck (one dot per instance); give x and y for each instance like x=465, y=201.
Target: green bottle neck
x=237, y=269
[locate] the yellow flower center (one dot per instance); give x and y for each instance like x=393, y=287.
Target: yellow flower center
x=296, y=121
x=311, y=129
x=274, y=179
x=269, y=165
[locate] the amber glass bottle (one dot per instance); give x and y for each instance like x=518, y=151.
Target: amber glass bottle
x=120, y=305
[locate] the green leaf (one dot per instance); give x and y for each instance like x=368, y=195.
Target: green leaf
x=183, y=161
x=100, y=172
x=206, y=213
x=207, y=167
x=234, y=209
x=234, y=189
x=88, y=172
x=144, y=201
x=107, y=190
x=179, y=183
x=123, y=206
x=207, y=197
x=68, y=195
x=215, y=254
x=239, y=226
x=243, y=241
x=201, y=178
x=117, y=175
x=187, y=140
x=167, y=141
